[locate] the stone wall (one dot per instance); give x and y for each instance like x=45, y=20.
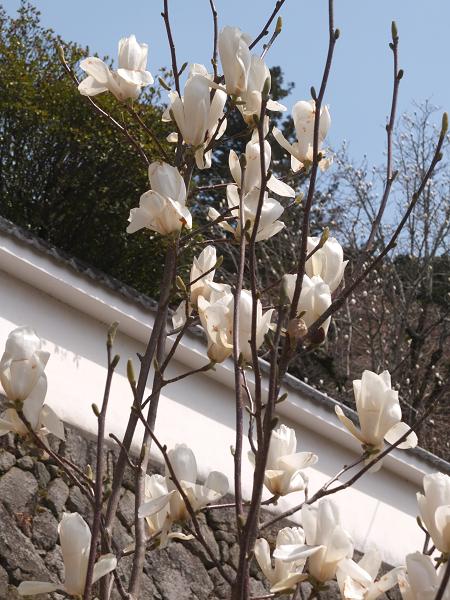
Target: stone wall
x=33, y=496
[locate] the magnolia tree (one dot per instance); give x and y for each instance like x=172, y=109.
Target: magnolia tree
x=238, y=327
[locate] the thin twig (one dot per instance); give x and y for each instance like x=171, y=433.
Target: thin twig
x=106, y=115
x=265, y=29
x=99, y=472
x=216, y=37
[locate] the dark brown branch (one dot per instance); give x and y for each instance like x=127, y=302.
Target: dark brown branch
x=99, y=473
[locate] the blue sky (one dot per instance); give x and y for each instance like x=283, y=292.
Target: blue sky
x=360, y=85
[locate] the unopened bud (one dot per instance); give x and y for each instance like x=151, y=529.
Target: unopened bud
x=394, y=31
x=163, y=84
x=115, y=361
x=274, y=422
x=183, y=66
x=324, y=237
x=243, y=161
x=95, y=409
x=444, y=126
x=266, y=88
x=89, y=472
x=337, y=34
x=62, y=58
x=219, y=262
x=400, y=74
x=282, y=398
x=180, y=284
x=111, y=334
x=130, y=373
x=279, y=25
x=313, y=93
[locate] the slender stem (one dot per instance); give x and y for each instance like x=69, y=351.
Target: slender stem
x=106, y=115
x=173, y=54
x=390, y=175
x=99, y=473
x=207, y=367
x=237, y=357
x=265, y=29
x=148, y=130
x=216, y=37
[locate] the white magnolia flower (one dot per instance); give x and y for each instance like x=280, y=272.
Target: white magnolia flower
x=196, y=114
x=235, y=58
x=328, y=262
x=434, y=507
x=422, y=580
x=164, y=504
x=357, y=580
x=268, y=223
x=379, y=413
x=200, y=286
x=163, y=208
x=322, y=528
x=23, y=379
x=252, y=96
x=315, y=298
x=216, y=317
x=284, y=468
x=124, y=83
x=303, y=115
x=284, y=575
x=75, y=539
x=252, y=177
x=245, y=323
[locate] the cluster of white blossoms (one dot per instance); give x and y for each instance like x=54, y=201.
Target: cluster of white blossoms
x=321, y=549
x=24, y=382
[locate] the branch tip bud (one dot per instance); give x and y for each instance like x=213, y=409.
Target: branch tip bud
x=163, y=84
x=394, y=31
x=115, y=361
x=130, y=373
x=279, y=25
x=111, y=334
x=95, y=409
x=444, y=127
x=313, y=93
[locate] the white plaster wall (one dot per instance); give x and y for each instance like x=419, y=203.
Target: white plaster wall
x=380, y=510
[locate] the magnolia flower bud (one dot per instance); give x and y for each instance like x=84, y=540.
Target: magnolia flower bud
x=327, y=262
x=235, y=58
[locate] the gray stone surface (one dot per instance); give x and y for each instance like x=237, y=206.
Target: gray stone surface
x=33, y=496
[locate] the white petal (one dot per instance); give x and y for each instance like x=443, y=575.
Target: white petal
x=91, y=87
x=155, y=505
x=280, y=188
x=50, y=420
x=103, y=566
x=32, y=588
x=397, y=431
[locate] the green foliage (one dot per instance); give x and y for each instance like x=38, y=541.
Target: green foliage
x=66, y=173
